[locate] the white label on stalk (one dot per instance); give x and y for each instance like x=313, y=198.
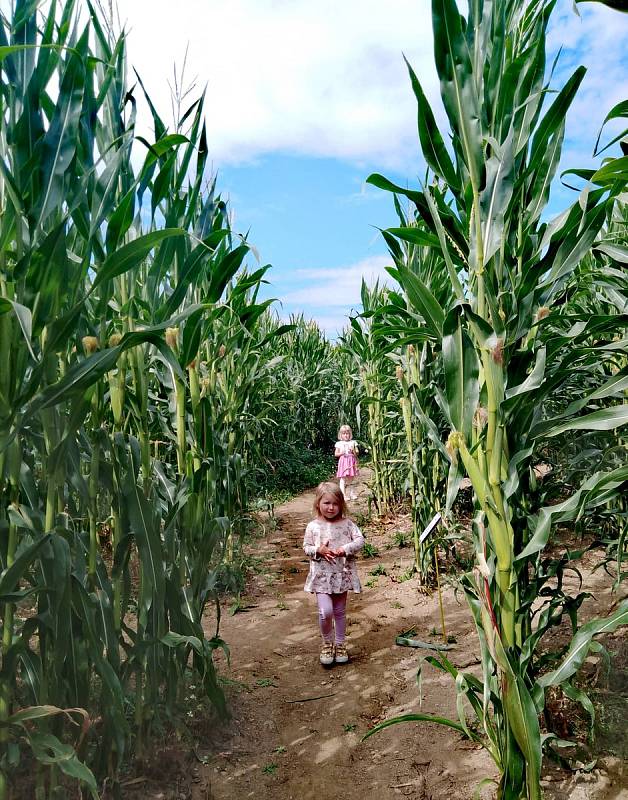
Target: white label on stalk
x=432, y=524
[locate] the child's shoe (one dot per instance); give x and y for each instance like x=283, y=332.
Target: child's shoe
x=341, y=654
x=327, y=654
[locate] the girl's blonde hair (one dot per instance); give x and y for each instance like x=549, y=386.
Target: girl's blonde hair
x=328, y=487
x=344, y=428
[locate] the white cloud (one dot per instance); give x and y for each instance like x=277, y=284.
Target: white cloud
x=316, y=78
x=338, y=287
x=332, y=325
x=327, y=78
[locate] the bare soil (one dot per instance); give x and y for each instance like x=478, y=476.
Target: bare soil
x=296, y=727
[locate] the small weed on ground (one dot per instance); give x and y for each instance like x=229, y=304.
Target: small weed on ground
x=369, y=550
x=270, y=769
x=380, y=569
x=407, y=575
x=349, y=727
x=401, y=539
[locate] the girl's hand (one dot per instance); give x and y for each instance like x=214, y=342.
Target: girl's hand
x=340, y=552
x=328, y=554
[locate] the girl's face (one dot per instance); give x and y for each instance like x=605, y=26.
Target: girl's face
x=345, y=435
x=329, y=507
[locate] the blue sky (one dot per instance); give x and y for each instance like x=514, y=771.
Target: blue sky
x=304, y=100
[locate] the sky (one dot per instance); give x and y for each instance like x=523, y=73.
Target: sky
x=305, y=99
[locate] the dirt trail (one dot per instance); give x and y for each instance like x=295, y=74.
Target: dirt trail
x=284, y=745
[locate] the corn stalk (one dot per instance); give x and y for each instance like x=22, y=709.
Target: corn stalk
x=508, y=345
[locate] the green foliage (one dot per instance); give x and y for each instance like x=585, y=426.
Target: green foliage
x=293, y=468
x=400, y=539
x=349, y=727
x=369, y=550
x=528, y=309
x=144, y=390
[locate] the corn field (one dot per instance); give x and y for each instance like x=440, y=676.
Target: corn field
x=140, y=376
x=529, y=335
x=148, y=395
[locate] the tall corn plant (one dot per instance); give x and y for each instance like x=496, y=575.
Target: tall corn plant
x=372, y=363
x=508, y=270
x=419, y=367
x=101, y=318
x=56, y=195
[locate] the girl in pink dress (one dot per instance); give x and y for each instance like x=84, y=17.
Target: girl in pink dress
x=346, y=452
x=332, y=541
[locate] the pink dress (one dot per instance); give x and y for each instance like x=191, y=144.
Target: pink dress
x=347, y=463
x=341, y=575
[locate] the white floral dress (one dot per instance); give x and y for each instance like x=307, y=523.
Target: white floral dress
x=341, y=575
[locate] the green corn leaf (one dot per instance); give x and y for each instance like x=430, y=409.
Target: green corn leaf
x=12, y=49
x=613, y=387
x=554, y=119
x=422, y=300
x=449, y=723
x=383, y=183
x=496, y=196
x=432, y=144
x=143, y=525
x=59, y=144
x=532, y=382
x=596, y=490
x=414, y=235
x=618, y=111
x=574, y=247
x=223, y=271
x=10, y=576
x=40, y=712
x=615, y=251
x=162, y=146
x=461, y=367
x=193, y=269
x=606, y=419
x=581, y=644
x=524, y=723
x=578, y=696
x=130, y=255
x=47, y=749
x=616, y=170
x=458, y=87
x=24, y=318
x=120, y=220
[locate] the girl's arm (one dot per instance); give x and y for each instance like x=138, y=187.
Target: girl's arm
x=337, y=452
x=356, y=543
x=309, y=541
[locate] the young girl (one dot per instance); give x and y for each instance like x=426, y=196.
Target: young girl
x=346, y=452
x=332, y=541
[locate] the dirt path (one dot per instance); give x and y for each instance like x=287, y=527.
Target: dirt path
x=283, y=744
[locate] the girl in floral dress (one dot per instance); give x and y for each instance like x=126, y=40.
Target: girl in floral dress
x=332, y=541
